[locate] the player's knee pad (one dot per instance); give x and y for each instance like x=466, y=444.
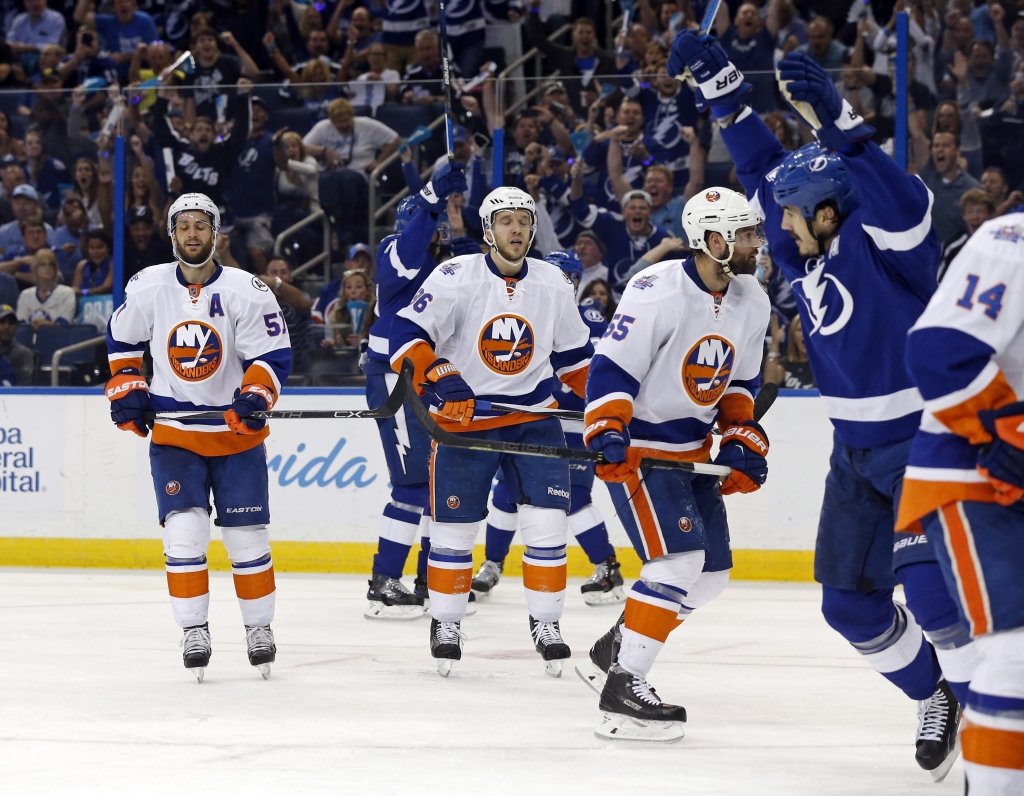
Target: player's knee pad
x=187, y=534
x=502, y=515
x=927, y=596
x=246, y=543
x=706, y=588
x=584, y=518
x=678, y=570
x=858, y=616
x=580, y=499
x=453, y=535
x=542, y=527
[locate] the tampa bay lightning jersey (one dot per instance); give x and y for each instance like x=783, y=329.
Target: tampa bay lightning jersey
x=663, y=116
x=858, y=301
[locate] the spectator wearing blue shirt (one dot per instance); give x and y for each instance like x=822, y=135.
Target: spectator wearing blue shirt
x=666, y=209
x=25, y=203
x=87, y=62
x=403, y=19
x=95, y=274
x=35, y=28
x=628, y=135
x=44, y=174
x=17, y=260
x=750, y=44
x=123, y=31
x=251, y=190
x=69, y=237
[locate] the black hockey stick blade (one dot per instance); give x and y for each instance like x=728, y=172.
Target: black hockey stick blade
x=765, y=398
x=388, y=409
x=452, y=440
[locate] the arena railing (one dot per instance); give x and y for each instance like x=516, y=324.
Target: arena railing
x=92, y=342
x=323, y=257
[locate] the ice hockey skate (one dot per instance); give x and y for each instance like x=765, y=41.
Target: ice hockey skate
x=487, y=577
x=938, y=742
x=632, y=711
x=262, y=651
x=605, y=586
x=547, y=638
x=197, y=649
x=446, y=644
x=387, y=598
x=603, y=654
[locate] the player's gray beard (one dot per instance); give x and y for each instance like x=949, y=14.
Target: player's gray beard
x=204, y=255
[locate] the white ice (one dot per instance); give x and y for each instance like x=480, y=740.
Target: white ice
x=94, y=699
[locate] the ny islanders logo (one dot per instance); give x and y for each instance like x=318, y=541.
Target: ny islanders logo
x=506, y=344
x=194, y=350
x=707, y=368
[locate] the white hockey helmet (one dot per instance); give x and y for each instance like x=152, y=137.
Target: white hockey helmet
x=191, y=201
x=507, y=199
x=725, y=212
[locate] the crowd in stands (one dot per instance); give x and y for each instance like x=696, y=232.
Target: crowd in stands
x=288, y=107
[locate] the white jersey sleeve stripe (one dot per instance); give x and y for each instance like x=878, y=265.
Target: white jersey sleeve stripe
x=906, y=240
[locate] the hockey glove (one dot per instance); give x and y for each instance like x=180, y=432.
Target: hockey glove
x=621, y=460
x=715, y=81
x=449, y=179
x=456, y=396
x=129, y=401
x=464, y=245
x=250, y=398
x=1002, y=461
x=744, y=448
x=812, y=93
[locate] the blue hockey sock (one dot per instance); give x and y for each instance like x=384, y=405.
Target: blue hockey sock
x=497, y=543
x=502, y=519
x=398, y=529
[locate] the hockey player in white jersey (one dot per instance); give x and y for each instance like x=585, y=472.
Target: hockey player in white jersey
x=682, y=353
x=496, y=326
x=218, y=342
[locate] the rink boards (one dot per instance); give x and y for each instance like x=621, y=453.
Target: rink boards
x=76, y=492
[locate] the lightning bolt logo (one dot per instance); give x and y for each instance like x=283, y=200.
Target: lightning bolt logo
x=403, y=445
x=812, y=291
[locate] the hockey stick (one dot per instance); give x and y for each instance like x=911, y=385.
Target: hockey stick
x=706, y=24
x=447, y=83
x=442, y=437
x=388, y=409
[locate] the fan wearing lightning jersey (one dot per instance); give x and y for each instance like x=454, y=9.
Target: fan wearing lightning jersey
x=218, y=342
x=496, y=326
x=605, y=586
x=682, y=352
x=852, y=233
x=404, y=261
x=964, y=482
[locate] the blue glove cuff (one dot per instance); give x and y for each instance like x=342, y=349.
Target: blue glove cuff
x=718, y=111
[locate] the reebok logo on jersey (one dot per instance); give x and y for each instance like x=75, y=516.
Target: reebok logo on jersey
x=563, y=493
x=506, y=344
x=707, y=368
x=194, y=350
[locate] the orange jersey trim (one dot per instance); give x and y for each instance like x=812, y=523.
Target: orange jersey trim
x=646, y=518
x=618, y=410
x=544, y=579
x=126, y=362
x=920, y=498
x=252, y=587
x=257, y=374
x=485, y=423
x=422, y=356
x=577, y=380
x=701, y=454
x=733, y=409
x=188, y=584
x=985, y=746
x=651, y=620
x=967, y=570
x=962, y=419
x=208, y=443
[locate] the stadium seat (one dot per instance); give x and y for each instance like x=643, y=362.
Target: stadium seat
x=363, y=110
x=297, y=120
x=403, y=119
x=51, y=338
x=25, y=334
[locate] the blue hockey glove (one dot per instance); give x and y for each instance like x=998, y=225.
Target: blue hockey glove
x=250, y=398
x=464, y=245
x=744, y=448
x=1002, y=461
x=457, y=399
x=129, y=401
x=716, y=82
x=812, y=94
x=449, y=179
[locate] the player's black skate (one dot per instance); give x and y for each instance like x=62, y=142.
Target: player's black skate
x=605, y=586
x=387, y=598
x=602, y=655
x=446, y=644
x=197, y=649
x=487, y=577
x=547, y=638
x=632, y=711
x=938, y=742
x=259, y=639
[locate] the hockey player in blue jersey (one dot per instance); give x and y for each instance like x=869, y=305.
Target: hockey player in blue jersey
x=404, y=260
x=852, y=233
x=605, y=586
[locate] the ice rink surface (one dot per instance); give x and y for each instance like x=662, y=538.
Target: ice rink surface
x=95, y=700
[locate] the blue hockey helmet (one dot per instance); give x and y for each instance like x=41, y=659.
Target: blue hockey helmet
x=570, y=264
x=812, y=175
x=403, y=213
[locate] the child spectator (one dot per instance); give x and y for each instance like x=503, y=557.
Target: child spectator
x=355, y=286
x=95, y=274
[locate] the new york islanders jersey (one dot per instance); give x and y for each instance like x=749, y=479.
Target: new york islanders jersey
x=675, y=357
x=507, y=336
x=593, y=316
x=966, y=354
x=859, y=300
x=206, y=341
